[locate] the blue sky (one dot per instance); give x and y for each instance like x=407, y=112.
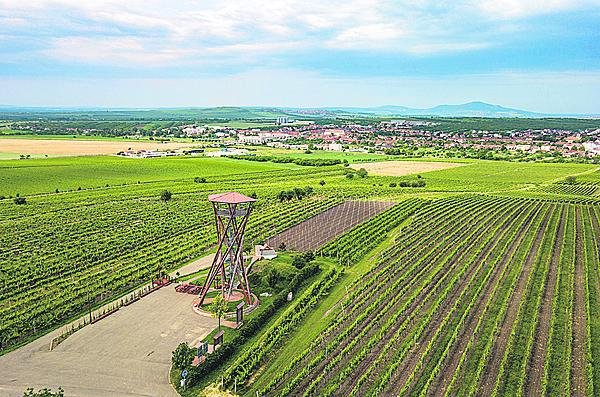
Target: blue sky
x=537, y=55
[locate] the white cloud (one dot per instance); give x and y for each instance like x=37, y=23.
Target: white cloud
x=368, y=36
x=134, y=32
x=117, y=51
x=524, y=8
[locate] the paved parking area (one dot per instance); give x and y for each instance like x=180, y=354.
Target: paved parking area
x=125, y=354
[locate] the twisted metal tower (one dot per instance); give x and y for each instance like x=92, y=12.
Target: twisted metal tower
x=227, y=271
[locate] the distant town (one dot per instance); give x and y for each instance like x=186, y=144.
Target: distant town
x=563, y=139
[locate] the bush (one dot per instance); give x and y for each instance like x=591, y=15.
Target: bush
x=183, y=356
x=276, y=159
x=300, y=261
x=44, y=393
x=165, y=195
x=297, y=192
x=272, y=277
x=362, y=173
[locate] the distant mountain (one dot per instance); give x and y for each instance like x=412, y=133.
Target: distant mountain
x=470, y=109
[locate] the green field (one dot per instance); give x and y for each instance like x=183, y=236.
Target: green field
x=70, y=173
x=490, y=248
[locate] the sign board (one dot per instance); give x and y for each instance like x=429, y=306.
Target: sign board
x=184, y=373
x=239, y=312
x=290, y=295
x=202, y=349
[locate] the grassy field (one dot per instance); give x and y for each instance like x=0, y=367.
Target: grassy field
x=70, y=173
x=114, y=233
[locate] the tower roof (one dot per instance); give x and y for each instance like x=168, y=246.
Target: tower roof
x=230, y=198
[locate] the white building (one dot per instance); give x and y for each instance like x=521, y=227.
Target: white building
x=227, y=152
x=283, y=120
x=592, y=147
x=251, y=139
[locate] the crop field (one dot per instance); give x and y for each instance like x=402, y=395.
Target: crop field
x=81, y=147
x=318, y=230
x=579, y=189
x=399, y=168
x=481, y=282
x=465, y=303
x=90, y=248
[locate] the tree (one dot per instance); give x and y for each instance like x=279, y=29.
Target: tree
x=199, y=180
x=218, y=308
x=322, y=182
x=44, y=393
x=165, y=195
x=362, y=173
x=571, y=180
x=183, y=356
x=20, y=200
x=254, y=195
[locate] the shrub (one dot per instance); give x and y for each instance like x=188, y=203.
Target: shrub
x=165, y=195
x=297, y=192
x=183, y=356
x=44, y=393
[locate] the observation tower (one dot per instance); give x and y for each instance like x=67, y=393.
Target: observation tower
x=227, y=271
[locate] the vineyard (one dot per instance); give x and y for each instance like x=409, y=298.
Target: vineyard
x=466, y=303
x=316, y=231
x=580, y=189
x=95, y=244
x=482, y=282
